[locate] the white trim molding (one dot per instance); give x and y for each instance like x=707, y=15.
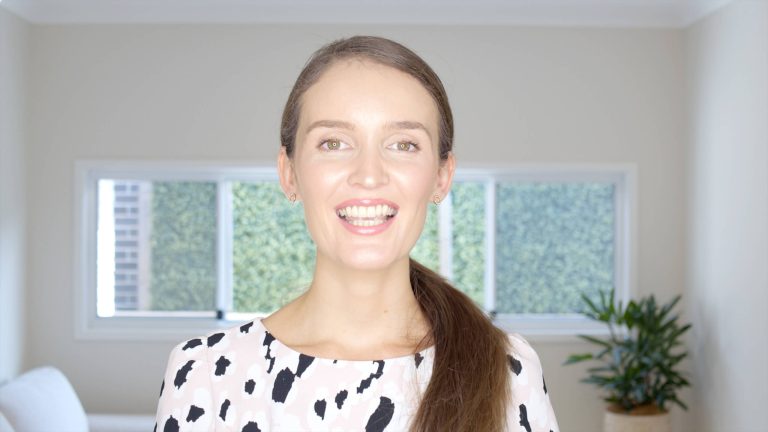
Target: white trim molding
x=570, y=13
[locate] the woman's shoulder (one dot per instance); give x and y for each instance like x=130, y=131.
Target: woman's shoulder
x=194, y=367
x=524, y=363
x=219, y=340
x=521, y=355
x=195, y=360
x=531, y=408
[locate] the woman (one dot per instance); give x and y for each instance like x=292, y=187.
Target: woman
x=378, y=342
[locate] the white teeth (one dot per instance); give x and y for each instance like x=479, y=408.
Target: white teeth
x=367, y=215
x=366, y=222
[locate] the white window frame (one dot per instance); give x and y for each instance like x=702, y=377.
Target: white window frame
x=561, y=327
x=164, y=326
x=175, y=326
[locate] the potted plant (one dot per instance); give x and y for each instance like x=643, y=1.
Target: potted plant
x=638, y=362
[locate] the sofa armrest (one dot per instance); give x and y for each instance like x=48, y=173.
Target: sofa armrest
x=42, y=400
x=120, y=423
x=4, y=425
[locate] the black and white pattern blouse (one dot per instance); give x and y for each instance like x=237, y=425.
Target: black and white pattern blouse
x=243, y=379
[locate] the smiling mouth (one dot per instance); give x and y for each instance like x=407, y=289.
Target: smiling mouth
x=367, y=216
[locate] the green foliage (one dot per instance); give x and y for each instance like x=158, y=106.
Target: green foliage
x=468, y=218
x=554, y=242
x=427, y=249
x=183, y=246
x=639, y=361
x=273, y=255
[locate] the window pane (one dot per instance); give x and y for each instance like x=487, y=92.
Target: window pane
x=427, y=248
x=554, y=241
x=468, y=223
x=273, y=255
x=183, y=242
x=156, y=246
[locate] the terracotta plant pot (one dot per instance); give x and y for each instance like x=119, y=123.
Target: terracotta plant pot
x=640, y=419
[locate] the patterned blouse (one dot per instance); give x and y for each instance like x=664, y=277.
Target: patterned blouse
x=243, y=379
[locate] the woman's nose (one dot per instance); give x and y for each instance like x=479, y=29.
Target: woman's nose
x=369, y=171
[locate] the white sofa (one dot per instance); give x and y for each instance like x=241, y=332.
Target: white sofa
x=43, y=400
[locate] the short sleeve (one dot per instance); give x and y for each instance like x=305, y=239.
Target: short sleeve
x=530, y=410
x=186, y=399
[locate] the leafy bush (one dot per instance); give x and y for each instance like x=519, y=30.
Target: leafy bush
x=554, y=242
x=273, y=255
x=183, y=246
x=427, y=248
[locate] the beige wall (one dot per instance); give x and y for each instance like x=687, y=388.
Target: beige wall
x=13, y=51
x=727, y=286
x=214, y=92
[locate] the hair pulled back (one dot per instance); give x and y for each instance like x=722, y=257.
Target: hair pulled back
x=468, y=390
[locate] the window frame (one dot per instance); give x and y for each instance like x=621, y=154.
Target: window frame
x=563, y=327
x=173, y=326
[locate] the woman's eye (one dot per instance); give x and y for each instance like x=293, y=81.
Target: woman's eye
x=332, y=144
x=405, y=146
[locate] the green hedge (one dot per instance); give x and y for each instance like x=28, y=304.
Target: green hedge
x=273, y=255
x=183, y=246
x=553, y=243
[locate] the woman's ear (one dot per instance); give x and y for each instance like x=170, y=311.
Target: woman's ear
x=445, y=176
x=287, y=174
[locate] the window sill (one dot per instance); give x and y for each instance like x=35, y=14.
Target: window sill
x=535, y=328
x=149, y=328
x=550, y=328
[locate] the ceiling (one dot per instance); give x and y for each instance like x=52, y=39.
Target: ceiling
x=601, y=13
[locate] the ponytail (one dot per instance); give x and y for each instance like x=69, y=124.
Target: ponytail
x=469, y=388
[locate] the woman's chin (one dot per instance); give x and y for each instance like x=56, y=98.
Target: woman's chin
x=370, y=261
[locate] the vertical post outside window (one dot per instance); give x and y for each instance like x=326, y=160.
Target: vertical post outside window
x=445, y=236
x=490, y=246
x=224, y=250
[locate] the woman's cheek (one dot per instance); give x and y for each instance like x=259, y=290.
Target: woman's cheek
x=417, y=181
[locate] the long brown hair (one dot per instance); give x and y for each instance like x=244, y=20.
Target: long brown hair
x=468, y=390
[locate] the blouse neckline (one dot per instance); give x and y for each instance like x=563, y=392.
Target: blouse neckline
x=405, y=358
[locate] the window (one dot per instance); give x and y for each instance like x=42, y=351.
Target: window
x=208, y=244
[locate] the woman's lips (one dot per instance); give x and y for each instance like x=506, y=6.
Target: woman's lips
x=367, y=230
x=366, y=216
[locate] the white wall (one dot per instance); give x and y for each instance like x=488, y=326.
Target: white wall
x=727, y=287
x=13, y=52
x=215, y=92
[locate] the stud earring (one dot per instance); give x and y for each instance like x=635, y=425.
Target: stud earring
x=436, y=199
x=292, y=198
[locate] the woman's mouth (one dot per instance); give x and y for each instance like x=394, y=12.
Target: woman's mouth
x=366, y=215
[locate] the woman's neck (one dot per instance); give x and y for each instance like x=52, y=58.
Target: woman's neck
x=348, y=313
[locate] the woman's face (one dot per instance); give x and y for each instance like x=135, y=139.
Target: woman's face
x=366, y=163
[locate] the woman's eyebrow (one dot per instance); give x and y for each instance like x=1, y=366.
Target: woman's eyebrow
x=407, y=124
x=339, y=124
x=393, y=125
